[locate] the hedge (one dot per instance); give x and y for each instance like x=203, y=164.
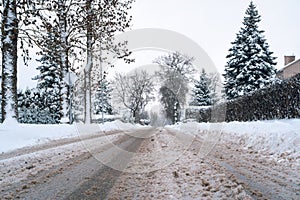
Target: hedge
x=279, y=101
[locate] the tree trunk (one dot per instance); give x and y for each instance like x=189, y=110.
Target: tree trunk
x=87, y=97
x=136, y=116
x=9, y=60
x=89, y=65
x=64, y=62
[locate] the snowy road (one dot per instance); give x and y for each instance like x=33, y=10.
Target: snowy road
x=263, y=177
x=169, y=160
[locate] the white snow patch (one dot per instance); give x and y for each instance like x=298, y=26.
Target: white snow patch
x=117, y=125
x=22, y=135
x=278, y=137
x=14, y=136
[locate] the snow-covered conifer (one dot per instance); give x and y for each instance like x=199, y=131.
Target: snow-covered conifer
x=50, y=78
x=103, y=97
x=250, y=64
x=201, y=93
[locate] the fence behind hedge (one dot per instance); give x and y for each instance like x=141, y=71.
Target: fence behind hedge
x=279, y=101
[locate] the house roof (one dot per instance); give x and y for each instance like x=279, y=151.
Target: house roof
x=288, y=65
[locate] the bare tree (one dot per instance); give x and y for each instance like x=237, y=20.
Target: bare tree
x=134, y=91
x=103, y=19
x=84, y=29
x=175, y=73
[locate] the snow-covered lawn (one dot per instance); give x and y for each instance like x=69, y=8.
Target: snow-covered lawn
x=280, y=138
x=14, y=136
x=22, y=135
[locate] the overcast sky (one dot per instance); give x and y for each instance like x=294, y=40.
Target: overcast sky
x=213, y=24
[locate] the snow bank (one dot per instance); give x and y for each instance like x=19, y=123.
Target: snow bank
x=14, y=136
x=275, y=137
x=281, y=137
x=117, y=125
x=21, y=135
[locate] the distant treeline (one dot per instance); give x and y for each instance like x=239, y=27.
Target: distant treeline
x=279, y=101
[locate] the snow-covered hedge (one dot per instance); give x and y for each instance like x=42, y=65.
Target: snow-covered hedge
x=279, y=101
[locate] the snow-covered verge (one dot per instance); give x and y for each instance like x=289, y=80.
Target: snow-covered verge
x=280, y=138
x=118, y=125
x=22, y=135
x=14, y=136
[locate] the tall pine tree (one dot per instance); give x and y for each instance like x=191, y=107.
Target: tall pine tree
x=201, y=93
x=250, y=64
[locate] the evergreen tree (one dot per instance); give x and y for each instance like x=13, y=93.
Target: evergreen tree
x=50, y=78
x=37, y=107
x=201, y=92
x=251, y=64
x=29, y=107
x=24, y=107
x=103, y=97
x=214, y=82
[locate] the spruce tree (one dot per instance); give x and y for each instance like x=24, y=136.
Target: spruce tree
x=201, y=93
x=50, y=79
x=103, y=97
x=250, y=64
x=33, y=108
x=25, y=106
x=213, y=82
